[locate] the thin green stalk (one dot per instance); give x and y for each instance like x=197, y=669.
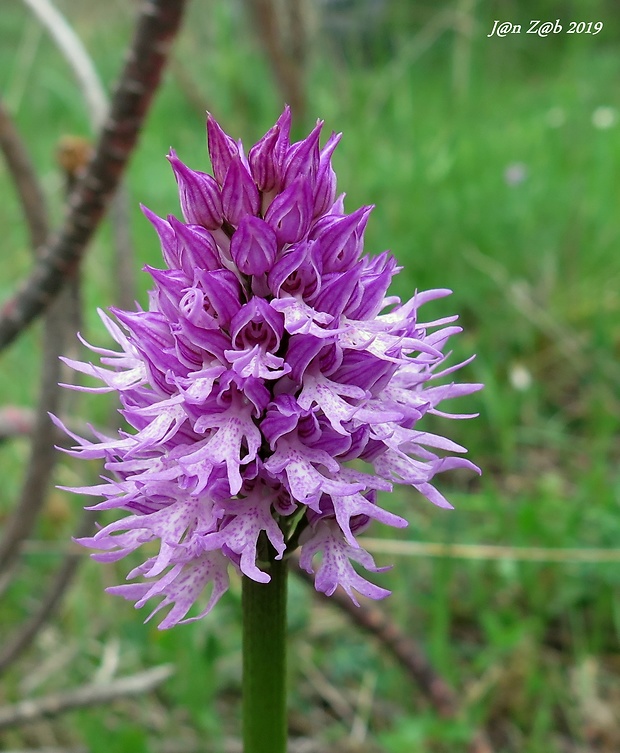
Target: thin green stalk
x=264, y=662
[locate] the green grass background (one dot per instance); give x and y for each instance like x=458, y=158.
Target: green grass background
x=532, y=648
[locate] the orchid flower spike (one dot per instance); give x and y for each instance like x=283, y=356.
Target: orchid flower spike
x=269, y=360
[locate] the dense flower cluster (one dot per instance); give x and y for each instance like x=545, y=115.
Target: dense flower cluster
x=262, y=367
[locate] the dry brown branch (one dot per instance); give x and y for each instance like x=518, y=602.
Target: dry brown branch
x=41, y=452
x=490, y=551
x=282, y=33
x=330, y=695
x=60, y=320
x=124, y=256
x=189, y=86
x=74, y=154
x=49, y=750
x=157, y=25
x=231, y=745
x=94, y=95
x=16, y=421
x=134, y=94
x=80, y=62
x=24, y=177
x=33, y=709
x=406, y=651
x=402, y=647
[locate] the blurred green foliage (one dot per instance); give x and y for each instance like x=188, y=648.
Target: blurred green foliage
x=493, y=165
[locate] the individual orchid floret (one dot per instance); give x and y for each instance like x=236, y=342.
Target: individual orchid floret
x=272, y=390
x=302, y=159
x=222, y=149
x=199, y=195
x=325, y=189
x=253, y=246
x=196, y=247
x=240, y=197
x=266, y=157
x=290, y=213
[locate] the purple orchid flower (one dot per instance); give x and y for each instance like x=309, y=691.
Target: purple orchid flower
x=270, y=358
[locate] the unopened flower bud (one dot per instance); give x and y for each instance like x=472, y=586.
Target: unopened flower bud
x=341, y=239
x=197, y=248
x=264, y=161
x=303, y=159
x=290, y=213
x=325, y=190
x=239, y=193
x=167, y=237
x=253, y=246
x=222, y=293
x=221, y=147
x=199, y=195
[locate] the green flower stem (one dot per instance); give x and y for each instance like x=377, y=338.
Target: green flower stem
x=264, y=662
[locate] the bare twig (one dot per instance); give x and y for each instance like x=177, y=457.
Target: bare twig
x=229, y=745
x=59, y=320
x=80, y=62
x=363, y=707
x=41, y=454
x=232, y=745
x=93, y=92
x=282, y=33
x=490, y=551
x=49, y=750
x=16, y=644
x=124, y=257
x=22, y=64
x=331, y=695
x=24, y=177
x=188, y=85
x=404, y=649
x=413, y=49
x=33, y=709
x=156, y=28
x=464, y=24
x=407, y=653
x=15, y=421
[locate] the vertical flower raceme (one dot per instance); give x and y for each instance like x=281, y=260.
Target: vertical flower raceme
x=269, y=358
